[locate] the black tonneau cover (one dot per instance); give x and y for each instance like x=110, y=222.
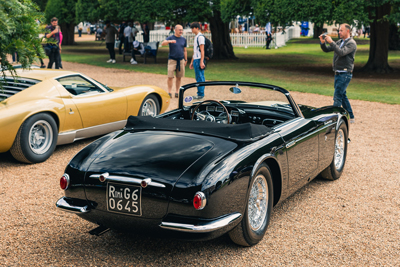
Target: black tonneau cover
x=238, y=132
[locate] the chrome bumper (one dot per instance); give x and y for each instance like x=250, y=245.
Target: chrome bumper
x=67, y=205
x=202, y=226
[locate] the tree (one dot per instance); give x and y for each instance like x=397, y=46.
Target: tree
x=173, y=12
x=378, y=13
x=19, y=33
x=64, y=11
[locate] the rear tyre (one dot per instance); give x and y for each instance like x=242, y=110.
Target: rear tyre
x=256, y=218
x=36, y=139
x=335, y=169
x=150, y=106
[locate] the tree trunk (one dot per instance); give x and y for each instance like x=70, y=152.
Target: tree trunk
x=68, y=31
x=220, y=37
x=379, y=42
x=318, y=28
x=394, y=37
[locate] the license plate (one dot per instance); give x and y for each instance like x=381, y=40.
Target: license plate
x=123, y=198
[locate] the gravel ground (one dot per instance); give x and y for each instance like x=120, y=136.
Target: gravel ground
x=354, y=221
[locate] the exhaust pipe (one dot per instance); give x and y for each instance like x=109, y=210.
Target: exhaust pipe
x=99, y=230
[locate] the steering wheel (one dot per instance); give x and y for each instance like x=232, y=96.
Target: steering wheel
x=206, y=116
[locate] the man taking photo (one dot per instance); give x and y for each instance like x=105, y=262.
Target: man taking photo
x=343, y=64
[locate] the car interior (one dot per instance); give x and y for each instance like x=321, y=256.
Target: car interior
x=77, y=85
x=267, y=107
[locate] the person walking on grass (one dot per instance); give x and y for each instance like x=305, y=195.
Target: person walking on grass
x=110, y=40
x=198, y=62
x=54, y=32
x=343, y=64
x=177, y=58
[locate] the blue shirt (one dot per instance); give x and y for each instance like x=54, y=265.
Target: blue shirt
x=268, y=28
x=176, y=49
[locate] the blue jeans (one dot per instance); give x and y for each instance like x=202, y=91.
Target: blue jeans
x=199, y=76
x=340, y=97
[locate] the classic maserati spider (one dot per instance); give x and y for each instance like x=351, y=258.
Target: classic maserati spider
x=40, y=109
x=208, y=167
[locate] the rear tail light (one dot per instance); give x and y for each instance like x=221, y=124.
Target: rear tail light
x=199, y=201
x=64, y=181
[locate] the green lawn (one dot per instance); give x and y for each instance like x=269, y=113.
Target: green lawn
x=299, y=66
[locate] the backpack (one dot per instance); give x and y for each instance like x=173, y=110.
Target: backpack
x=208, y=47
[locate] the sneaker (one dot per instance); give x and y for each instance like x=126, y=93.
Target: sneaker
x=198, y=97
x=43, y=66
x=352, y=120
x=133, y=62
x=113, y=61
x=176, y=95
x=109, y=61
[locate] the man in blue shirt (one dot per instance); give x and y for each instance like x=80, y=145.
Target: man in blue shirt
x=177, y=58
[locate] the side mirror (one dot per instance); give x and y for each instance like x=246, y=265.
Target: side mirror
x=236, y=90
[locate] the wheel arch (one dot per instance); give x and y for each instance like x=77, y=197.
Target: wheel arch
x=345, y=119
x=276, y=174
x=160, y=102
x=51, y=113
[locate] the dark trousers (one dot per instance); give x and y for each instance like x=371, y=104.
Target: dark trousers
x=340, y=96
x=134, y=51
x=269, y=39
x=110, y=47
x=15, y=58
x=127, y=45
x=122, y=40
x=54, y=58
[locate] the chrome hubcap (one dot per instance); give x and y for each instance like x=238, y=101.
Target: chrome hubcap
x=149, y=108
x=339, y=149
x=40, y=137
x=258, y=201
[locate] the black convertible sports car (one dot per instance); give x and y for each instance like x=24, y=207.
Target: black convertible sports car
x=208, y=167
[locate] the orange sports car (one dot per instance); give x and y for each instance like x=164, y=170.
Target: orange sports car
x=40, y=109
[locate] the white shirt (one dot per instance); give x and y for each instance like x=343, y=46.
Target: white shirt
x=268, y=28
x=127, y=31
x=196, y=48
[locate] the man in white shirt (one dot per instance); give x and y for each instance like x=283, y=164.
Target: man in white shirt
x=127, y=37
x=268, y=33
x=197, y=62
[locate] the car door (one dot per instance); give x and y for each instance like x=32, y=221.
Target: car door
x=301, y=142
x=96, y=105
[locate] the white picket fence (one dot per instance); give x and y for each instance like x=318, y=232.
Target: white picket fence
x=237, y=39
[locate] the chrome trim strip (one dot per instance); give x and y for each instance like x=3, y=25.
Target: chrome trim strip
x=202, y=228
x=72, y=136
x=125, y=179
x=65, y=206
x=286, y=123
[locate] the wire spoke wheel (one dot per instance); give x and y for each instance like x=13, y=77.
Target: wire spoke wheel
x=339, y=149
x=257, y=206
